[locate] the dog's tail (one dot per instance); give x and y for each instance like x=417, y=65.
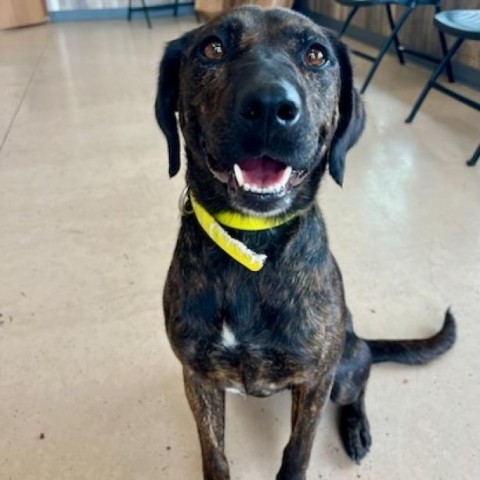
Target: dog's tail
x=415, y=352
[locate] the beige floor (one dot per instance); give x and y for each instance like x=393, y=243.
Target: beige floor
x=89, y=389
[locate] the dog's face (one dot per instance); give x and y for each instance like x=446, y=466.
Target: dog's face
x=265, y=101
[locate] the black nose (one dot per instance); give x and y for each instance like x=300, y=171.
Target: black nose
x=271, y=105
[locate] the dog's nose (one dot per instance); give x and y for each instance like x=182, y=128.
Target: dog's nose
x=270, y=105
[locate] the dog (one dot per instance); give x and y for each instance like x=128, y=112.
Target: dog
x=254, y=300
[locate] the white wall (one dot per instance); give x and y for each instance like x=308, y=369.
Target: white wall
x=60, y=5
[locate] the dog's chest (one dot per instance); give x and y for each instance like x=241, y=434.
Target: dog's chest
x=258, y=337
x=257, y=363
x=256, y=332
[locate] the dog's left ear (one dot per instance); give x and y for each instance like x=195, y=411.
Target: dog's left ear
x=351, y=116
x=166, y=103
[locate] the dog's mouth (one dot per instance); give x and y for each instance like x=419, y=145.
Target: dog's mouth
x=260, y=176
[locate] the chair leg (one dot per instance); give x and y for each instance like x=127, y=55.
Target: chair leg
x=386, y=46
x=147, y=16
x=347, y=22
x=443, y=44
x=444, y=47
x=472, y=162
x=129, y=12
x=398, y=46
x=433, y=78
x=175, y=8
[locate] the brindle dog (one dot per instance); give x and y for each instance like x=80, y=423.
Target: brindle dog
x=266, y=103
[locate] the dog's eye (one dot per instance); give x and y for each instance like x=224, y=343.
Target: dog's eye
x=214, y=50
x=315, y=57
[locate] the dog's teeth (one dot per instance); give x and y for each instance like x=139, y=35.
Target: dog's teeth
x=238, y=175
x=286, y=176
x=278, y=188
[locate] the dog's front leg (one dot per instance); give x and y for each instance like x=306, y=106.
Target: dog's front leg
x=308, y=400
x=208, y=406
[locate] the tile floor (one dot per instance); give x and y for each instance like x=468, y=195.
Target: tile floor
x=89, y=388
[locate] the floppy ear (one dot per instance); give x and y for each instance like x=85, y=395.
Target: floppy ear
x=167, y=100
x=352, y=116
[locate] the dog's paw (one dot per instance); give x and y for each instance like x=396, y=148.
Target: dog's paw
x=287, y=476
x=291, y=469
x=355, y=433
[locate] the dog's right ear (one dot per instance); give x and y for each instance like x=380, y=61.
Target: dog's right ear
x=166, y=103
x=352, y=116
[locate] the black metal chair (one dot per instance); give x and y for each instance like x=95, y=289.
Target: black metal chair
x=145, y=9
x=464, y=25
x=409, y=7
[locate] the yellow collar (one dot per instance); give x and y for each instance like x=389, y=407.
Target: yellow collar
x=236, y=249
x=249, y=222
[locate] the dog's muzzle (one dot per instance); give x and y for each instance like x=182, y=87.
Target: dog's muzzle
x=266, y=156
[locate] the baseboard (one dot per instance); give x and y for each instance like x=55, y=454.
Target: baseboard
x=468, y=75
x=116, y=13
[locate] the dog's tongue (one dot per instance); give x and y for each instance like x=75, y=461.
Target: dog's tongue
x=262, y=172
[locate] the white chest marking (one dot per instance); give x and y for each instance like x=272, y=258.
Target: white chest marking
x=228, y=337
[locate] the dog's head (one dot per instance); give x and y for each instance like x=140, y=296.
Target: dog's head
x=265, y=101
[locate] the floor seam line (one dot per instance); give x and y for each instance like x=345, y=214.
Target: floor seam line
x=22, y=99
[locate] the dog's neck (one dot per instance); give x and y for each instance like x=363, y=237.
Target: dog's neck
x=212, y=225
